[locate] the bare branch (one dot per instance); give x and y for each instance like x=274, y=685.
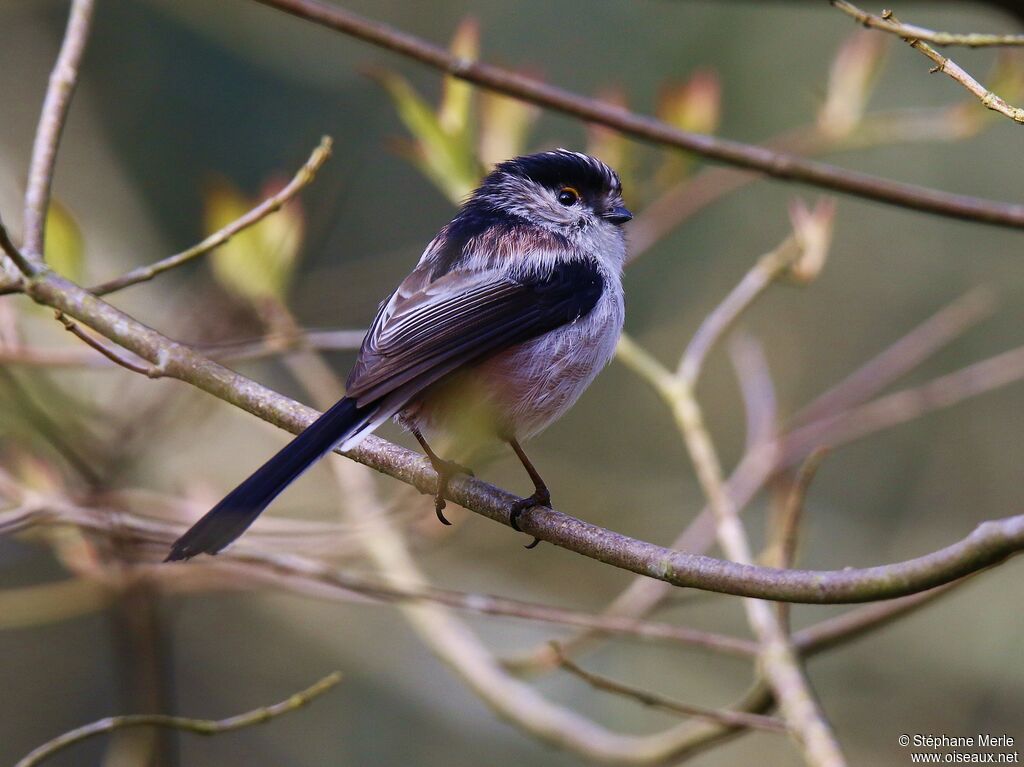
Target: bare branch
x=849, y=626
x=779, y=661
x=990, y=543
x=943, y=64
x=198, y=726
x=305, y=175
x=775, y=164
x=768, y=268
x=905, y=405
x=11, y=250
x=889, y=24
x=782, y=550
x=228, y=351
x=756, y=388
x=687, y=198
x=909, y=351
x=720, y=716
x=54, y=115
x=150, y=371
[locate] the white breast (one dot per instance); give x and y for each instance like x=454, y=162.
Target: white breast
x=519, y=392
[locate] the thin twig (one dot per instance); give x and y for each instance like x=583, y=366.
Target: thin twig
x=782, y=550
x=305, y=175
x=756, y=388
x=775, y=164
x=907, y=353
x=943, y=64
x=24, y=265
x=261, y=564
x=198, y=726
x=256, y=566
x=727, y=717
x=54, y=115
x=150, y=371
x=768, y=268
x=853, y=624
x=889, y=24
x=903, y=406
x=228, y=351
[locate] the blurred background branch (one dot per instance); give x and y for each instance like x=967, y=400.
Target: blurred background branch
x=198, y=726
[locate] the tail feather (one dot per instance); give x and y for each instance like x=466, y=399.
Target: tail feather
x=232, y=516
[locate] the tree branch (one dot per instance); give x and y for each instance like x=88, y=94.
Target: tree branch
x=776, y=164
x=24, y=265
x=305, y=175
x=151, y=371
x=889, y=24
x=908, y=352
x=198, y=726
x=226, y=351
x=717, y=323
x=54, y=115
x=949, y=67
x=991, y=542
x=720, y=716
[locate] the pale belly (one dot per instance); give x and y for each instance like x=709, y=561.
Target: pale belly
x=520, y=392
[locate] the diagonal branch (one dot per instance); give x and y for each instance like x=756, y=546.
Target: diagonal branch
x=17, y=257
x=776, y=164
x=727, y=717
x=302, y=179
x=113, y=355
x=942, y=63
x=234, y=351
x=63, y=80
x=990, y=543
x=889, y=24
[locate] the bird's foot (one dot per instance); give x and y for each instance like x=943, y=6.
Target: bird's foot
x=541, y=497
x=445, y=471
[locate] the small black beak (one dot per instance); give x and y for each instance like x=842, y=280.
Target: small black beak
x=618, y=215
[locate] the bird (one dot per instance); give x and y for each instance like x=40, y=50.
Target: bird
x=511, y=312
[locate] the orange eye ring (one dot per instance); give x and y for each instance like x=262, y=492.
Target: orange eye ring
x=568, y=195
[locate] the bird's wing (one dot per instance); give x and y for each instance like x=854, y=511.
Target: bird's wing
x=429, y=329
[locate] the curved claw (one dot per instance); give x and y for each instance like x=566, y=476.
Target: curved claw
x=540, y=498
x=445, y=471
x=439, y=504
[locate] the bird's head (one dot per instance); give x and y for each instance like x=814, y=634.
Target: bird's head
x=569, y=193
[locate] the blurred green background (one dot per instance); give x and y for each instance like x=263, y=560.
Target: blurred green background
x=177, y=94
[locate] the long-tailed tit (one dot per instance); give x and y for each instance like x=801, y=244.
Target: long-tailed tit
x=512, y=310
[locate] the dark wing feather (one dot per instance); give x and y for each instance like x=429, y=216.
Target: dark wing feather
x=421, y=335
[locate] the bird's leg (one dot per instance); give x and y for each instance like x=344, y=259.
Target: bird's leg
x=445, y=471
x=540, y=497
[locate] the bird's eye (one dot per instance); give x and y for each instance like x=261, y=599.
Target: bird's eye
x=568, y=196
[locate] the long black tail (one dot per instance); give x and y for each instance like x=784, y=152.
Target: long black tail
x=232, y=516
